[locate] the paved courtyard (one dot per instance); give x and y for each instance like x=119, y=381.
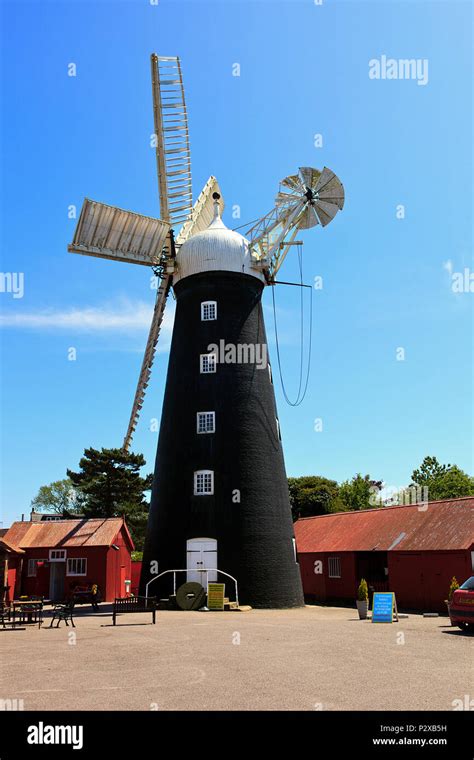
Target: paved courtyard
x=305, y=659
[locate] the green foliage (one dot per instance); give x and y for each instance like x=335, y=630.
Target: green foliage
x=429, y=471
x=60, y=497
x=137, y=556
x=360, y=493
x=313, y=495
x=137, y=520
x=442, y=481
x=453, y=587
x=363, y=591
x=110, y=485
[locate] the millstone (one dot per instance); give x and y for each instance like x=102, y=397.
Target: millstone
x=190, y=596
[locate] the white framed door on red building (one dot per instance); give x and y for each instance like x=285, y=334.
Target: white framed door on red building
x=201, y=553
x=57, y=576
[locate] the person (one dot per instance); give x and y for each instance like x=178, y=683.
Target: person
x=95, y=597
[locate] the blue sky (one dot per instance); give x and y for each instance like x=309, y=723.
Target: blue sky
x=387, y=282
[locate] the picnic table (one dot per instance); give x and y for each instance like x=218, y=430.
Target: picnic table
x=28, y=612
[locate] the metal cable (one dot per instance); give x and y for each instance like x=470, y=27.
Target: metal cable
x=300, y=397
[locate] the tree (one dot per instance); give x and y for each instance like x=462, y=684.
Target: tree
x=59, y=496
x=360, y=492
x=442, y=481
x=111, y=486
x=313, y=495
x=429, y=471
x=137, y=521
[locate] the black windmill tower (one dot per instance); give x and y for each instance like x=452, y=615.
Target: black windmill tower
x=220, y=506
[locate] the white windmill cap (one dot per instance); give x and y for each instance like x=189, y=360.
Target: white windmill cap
x=215, y=249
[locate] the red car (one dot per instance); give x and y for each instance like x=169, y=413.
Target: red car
x=461, y=609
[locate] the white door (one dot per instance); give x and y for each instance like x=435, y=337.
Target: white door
x=201, y=554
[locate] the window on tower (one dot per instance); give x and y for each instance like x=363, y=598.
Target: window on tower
x=278, y=427
x=203, y=483
x=208, y=363
x=208, y=311
x=206, y=422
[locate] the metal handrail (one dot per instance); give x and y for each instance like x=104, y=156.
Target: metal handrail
x=206, y=570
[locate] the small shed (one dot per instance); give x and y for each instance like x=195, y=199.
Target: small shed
x=10, y=567
x=53, y=557
x=413, y=550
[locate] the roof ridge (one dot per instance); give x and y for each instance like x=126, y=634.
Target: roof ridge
x=392, y=507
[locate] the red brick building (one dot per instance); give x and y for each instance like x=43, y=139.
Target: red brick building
x=49, y=558
x=412, y=550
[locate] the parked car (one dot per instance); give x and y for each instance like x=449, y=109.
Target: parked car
x=461, y=608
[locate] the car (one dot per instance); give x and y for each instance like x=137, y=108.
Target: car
x=461, y=609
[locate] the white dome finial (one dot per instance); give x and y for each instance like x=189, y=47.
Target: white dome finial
x=217, y=208
x=217, y=222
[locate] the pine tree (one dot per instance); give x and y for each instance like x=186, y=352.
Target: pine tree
x=110, y=485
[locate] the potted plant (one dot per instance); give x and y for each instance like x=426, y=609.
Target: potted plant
x=453, y=587
x=363, y=599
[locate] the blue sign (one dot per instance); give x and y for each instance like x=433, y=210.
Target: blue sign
x=382, y=607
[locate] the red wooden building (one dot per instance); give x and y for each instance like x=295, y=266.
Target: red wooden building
x=412, y=550
x=50, y=558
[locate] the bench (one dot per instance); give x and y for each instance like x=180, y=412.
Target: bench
x=63, y=612
x=134, y=604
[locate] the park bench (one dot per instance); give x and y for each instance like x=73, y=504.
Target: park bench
x=134, y=604
x=63, y=612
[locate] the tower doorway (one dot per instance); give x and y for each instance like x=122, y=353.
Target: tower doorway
x=201, y=553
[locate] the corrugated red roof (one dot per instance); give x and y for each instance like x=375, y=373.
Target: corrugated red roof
x=438, y=525
x=9, y=547
x=63, y=533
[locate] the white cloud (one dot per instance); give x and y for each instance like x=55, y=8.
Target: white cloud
x=123, y=316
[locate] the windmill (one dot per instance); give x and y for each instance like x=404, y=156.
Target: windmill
x=220, y=497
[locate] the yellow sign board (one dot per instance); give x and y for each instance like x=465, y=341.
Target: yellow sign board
x=215, y=596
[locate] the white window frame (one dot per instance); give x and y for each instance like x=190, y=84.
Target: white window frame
x=334, y=567
x=208, y=307
x=33, y=567
x=209, y=422
x=200, y=478
x=293, y=541
x=72, y=563
x=278, y=428
x=211, y=365
x=53, y=555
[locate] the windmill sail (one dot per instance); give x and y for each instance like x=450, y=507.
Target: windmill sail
x=172, y=140
x=108, y=232
x=150, y=351
x=202, y=213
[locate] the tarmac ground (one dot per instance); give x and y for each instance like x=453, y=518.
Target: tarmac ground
x=312, y=658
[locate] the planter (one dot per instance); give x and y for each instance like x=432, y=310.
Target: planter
x=448, y=605
x=362, y=608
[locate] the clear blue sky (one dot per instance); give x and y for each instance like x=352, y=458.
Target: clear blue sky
x=387, y=281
